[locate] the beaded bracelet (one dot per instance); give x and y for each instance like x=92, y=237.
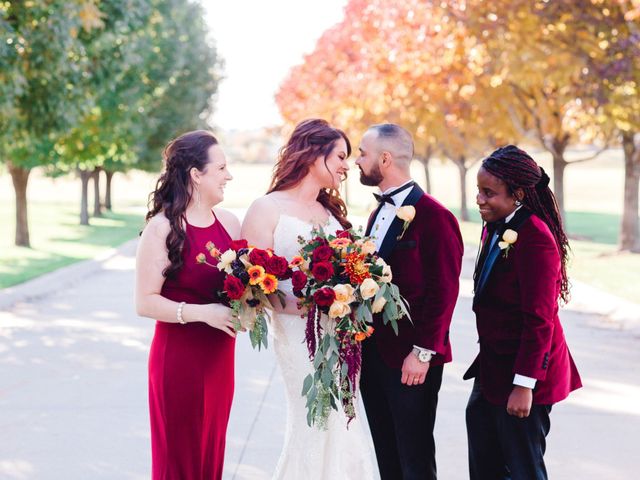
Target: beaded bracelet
x=181, y=320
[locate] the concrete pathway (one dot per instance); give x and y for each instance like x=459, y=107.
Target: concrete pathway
x=73, y=391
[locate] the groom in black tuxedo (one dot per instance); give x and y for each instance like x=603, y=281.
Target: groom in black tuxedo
x=402, y=374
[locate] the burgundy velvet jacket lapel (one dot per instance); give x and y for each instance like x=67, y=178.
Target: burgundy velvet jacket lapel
x=515, y=223
x=395, y=228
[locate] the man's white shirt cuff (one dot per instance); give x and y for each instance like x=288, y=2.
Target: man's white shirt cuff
x=523, y=381
x=430, y=352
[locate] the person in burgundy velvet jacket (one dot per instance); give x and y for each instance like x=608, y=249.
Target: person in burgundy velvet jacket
x=402, y=374
x=524, y=365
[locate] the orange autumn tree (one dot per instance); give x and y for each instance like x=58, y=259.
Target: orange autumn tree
x=545, y=79
x=609, y=45
x=407, y=62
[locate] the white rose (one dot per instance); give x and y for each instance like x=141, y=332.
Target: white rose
x=406, y=213
x=225, y=261
x=339, y=310
x=380, y=262
x=344, y=293
x=386, y=274
x=368, y=247
x=368, y=288
x=510, y=236
x=378, y=305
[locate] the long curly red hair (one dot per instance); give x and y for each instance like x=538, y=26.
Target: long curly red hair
x=310, y=139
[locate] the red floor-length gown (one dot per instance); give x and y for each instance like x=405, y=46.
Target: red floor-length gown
x=191, y=373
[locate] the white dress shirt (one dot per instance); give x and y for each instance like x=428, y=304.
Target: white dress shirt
x=383, y=221
x=520, y=380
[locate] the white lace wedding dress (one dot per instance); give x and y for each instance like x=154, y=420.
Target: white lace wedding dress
x=310, y=453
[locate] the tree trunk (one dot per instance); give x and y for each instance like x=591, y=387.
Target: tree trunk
x=557, y=148
x=97, y=208
x=20, y=179
x=462, y=170
x=107, y=193
x=629, y=228
x=559, y=165
x=425, y=164
x=85, y=176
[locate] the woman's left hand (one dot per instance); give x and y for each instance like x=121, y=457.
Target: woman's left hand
x=520, y=401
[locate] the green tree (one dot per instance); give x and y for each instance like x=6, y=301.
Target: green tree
x=48, y=61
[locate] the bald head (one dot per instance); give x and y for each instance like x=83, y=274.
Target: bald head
x=394, y=139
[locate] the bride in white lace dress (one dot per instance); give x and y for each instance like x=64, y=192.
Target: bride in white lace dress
x=303, y=194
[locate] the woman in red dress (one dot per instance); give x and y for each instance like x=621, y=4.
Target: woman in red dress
x=191, y=361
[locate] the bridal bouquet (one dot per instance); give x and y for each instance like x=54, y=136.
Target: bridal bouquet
x=251, y=275
x=339, y=276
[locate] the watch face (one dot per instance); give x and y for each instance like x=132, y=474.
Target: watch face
x=423, y=356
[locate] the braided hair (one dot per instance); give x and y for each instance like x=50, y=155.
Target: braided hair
x=174, y=190
x=519, y=171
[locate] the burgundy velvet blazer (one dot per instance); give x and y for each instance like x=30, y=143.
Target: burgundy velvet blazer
x=425, y=264
x=516, y=311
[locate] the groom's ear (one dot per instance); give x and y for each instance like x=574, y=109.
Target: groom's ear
x=386, y=159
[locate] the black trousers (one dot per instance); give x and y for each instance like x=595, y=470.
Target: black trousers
x=502, y=446
x=401, y=418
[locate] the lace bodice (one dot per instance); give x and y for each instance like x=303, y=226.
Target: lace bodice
x=310, y=453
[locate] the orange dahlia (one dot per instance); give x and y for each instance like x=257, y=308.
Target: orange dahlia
x=356, y=268
x=269, y=283
x=256, y=274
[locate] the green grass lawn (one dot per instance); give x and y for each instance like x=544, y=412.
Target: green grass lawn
x=58, y=240
x=598, y=264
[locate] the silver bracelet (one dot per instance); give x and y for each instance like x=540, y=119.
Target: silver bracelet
x=181, y=320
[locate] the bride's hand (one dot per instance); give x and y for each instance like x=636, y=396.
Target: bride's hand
x=217, y=316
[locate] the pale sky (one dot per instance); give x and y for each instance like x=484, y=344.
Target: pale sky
x=260, y=41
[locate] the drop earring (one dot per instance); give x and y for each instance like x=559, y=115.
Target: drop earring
x=518, y=203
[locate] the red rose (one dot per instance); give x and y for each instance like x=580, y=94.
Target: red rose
x=233, y=287
x=344, y=234
x=322, y=271
x=277, y=266
x=299, y=280
x=324, y=297
x=320, y=240
x=322, y=253
x=259, y=257
x=238, y=244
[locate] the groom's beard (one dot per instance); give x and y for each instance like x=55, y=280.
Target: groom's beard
x=373, y=178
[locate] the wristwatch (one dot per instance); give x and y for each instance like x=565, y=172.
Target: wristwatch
x=423, y=357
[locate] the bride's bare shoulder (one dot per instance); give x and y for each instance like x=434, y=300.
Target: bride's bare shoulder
x=263, y=209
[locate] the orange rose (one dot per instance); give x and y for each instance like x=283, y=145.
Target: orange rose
x=360, y=336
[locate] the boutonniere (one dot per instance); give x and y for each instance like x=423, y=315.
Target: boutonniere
x=509, y=237
x=406, y=213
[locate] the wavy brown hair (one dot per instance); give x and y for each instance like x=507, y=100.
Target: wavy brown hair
x=310, y=139
x=174, y=190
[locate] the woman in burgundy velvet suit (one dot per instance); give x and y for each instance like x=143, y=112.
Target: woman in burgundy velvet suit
x=524, y=365
x=191, y=361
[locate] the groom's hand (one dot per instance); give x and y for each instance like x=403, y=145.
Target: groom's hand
x=413, y=370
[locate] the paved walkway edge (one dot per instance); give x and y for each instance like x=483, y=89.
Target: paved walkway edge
x=60, y=279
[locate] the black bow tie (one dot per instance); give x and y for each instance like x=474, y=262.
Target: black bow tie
x=388, y=197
